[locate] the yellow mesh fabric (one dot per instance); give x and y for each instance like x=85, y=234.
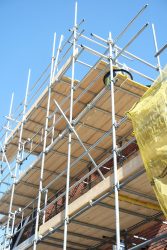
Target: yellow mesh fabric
x=149, y=119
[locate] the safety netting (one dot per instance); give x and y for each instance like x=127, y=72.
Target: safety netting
x=149, y=119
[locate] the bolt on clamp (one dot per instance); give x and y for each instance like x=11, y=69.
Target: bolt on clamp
x=115, y=124
x=73, y=123
x=70, y=128
x=67, y=219
x=117, y=186
x=115, y=150
x=91, y=203
x=90, y=105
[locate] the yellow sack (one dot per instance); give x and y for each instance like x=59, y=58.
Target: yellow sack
x=149, y=119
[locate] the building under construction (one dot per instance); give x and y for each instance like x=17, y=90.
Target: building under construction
x=72, y=175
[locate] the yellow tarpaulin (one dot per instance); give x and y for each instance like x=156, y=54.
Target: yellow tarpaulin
x=149, y=119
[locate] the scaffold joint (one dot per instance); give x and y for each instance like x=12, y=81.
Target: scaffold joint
x=60, y=135
x=91, y=203
x=90, y=106
x=115, y=150
x=67, y=219
x=70, y=128
x=117, y=186
x=73, y=88
x=73, y=123
x=115, y=124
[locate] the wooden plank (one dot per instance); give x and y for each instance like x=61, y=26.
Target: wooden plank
x=62, y=89
x=98, y=119
x=129, y=168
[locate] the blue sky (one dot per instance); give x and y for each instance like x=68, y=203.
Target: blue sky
x=27, y=27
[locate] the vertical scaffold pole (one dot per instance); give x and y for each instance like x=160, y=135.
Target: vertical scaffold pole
x=44, y=146
x=8, y=126
x=45, y=204
x=57, y=55
x=116, y=182
x=66, y=218
x=156, y=48
x=18, y=162
x=55, y=67
x=9, y=117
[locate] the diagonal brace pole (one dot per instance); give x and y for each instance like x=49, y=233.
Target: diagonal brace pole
x=4, y=155
x=79, y=139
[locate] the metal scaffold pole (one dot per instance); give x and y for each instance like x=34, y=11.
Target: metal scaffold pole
x=116, y=182
x=66, y=219
x=4, y=146
x=8, y=118
x=44, y=146
x=11, y=215
x=156, y=48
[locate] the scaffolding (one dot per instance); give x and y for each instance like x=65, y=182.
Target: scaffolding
x=71, y=168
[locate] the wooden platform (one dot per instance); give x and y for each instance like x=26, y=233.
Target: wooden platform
x=91, y=127
x=129, y=168
x=90, y=227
